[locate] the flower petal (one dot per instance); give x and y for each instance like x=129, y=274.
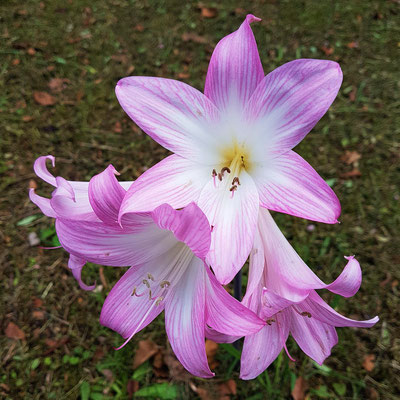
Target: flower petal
x=324, y=313
x=113, y=245
x=106, y=194
x=174, y=180
x=233, y=217
x=314, y=337
x=185, y=320
x=188, y=225
x=173, y=113
x=235, y=69
x=290, y=101
x=272, y=303
x=43, y=203
x=76, y=264
x=227, y=315
x=41, y=170
x=290, y=185
x=262, y=348
x=125, y=312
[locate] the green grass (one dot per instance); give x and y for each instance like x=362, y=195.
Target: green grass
x=92, y=45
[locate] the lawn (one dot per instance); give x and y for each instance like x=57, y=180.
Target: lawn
x=60, y=61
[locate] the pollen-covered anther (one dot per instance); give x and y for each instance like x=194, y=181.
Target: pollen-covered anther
x=220, y=176
x=225, y=169
x=214, y=173
x=235, y=180
x=306, y=314
x=146, y=282
x=159, y=300
x=233, y=188
x=150, y=294
x=165, y=284
x=270, y=321
x=134, y=291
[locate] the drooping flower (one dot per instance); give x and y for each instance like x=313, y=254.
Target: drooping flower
x=233, y=143
x=78, y=201
x=281, y=290
x=166, y=250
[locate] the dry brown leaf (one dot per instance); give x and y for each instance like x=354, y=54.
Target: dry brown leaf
x=211, y=351
x=79, y=95
x=183, y=75
x=13, y=331
x=103, y=278
x=44, y=98
x=117, y=127
x=240, y=11
x=227, y=389
x=327, y=50
x=351, y=174
x=350, y=157
x=201, y=392
x=300, y=388
x=38, y=314
x=138, y=28
x=56, y=85
x=352, y=45
x=147, y=348
x=130, y=69
x=176, y=371
x=369, y=362
x=209, y=12
x=158, y=361
x=33, y=185
x=27, y=118
x=131, y=387
x=121, y=58
x=16, y=61
x=31, y=51
x=193, y=37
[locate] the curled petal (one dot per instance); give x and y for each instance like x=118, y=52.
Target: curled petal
x=41, y=170
x=43, y=203
x=106, y=194
x=76, y=264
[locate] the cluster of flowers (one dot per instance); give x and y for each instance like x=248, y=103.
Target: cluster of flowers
x=188, y=224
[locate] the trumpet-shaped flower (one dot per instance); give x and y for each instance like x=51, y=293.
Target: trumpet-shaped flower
x=233, y=143
x=166, y=250
x=281, y=290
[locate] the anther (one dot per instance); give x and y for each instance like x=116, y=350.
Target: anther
x=134, y=291
x=233, y=188
x=235, y=180
x=306, y=314
x=150, y=294
x=270, y=321
x=159, y=300
x=225, y=169
x=242, y=160
x=214, y=173
x=220, y=176
x=146, y=282
x=150, y=276
x=165, y=284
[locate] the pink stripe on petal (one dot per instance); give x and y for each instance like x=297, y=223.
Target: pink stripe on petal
x=234, y=220
x=290, y=100
x=106, y=194
x=174, y=180
x=185, y=320
x=235, y=69
x=290, y=185
x=173, y=113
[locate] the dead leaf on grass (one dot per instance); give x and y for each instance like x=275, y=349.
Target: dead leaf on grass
x=56, y=85
x=351, y=174
x=193, y=37
x=131, y=387
x=369, y=362
x=227, y=389
x=352, y=45
x=350, y=157
x=201, y=392
x=44, y=98
x=300, y=388
x=38, y=315
x=27, y=118
x=103, y=278
x=147, y=349
x=13, y=331
x=31, y=51
x=117, y=127
x=209, y=12
x=176, y=371
x=211, y=351
x=327, y=50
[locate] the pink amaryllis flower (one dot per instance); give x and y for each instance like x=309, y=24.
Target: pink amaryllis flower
x=233, y=143
x=166, y=250
x=281, y=290
x=75, y=200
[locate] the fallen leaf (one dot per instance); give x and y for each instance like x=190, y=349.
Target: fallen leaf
x=36, y=301
x=103, y=278
x=31, y=51
x=44, y=98
x=121, y=58
x=369, y=362
x=131, y=387
x=327, y=50
x=193, y=37
x=138, y=28
x=227, y=389
x=27, y=118
x=13, y=331
x=108, y=374
x=353, y=94
x=209, y=12
x=386, y=280
x=16, y=61
x=300, y=388
x=130, y=69
x=240, y=11
x=79, y=95
x=183, y=75
x=372, y=393
x=117, y=127
x=38, y=314
x=201, y=392
x=350, y=157
x=176, y=371
x=352, y=45
x=211, y=351
x=22, y=12
x=147, y=349
x=158, y=360
x=56, y=85
x=351, y=174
